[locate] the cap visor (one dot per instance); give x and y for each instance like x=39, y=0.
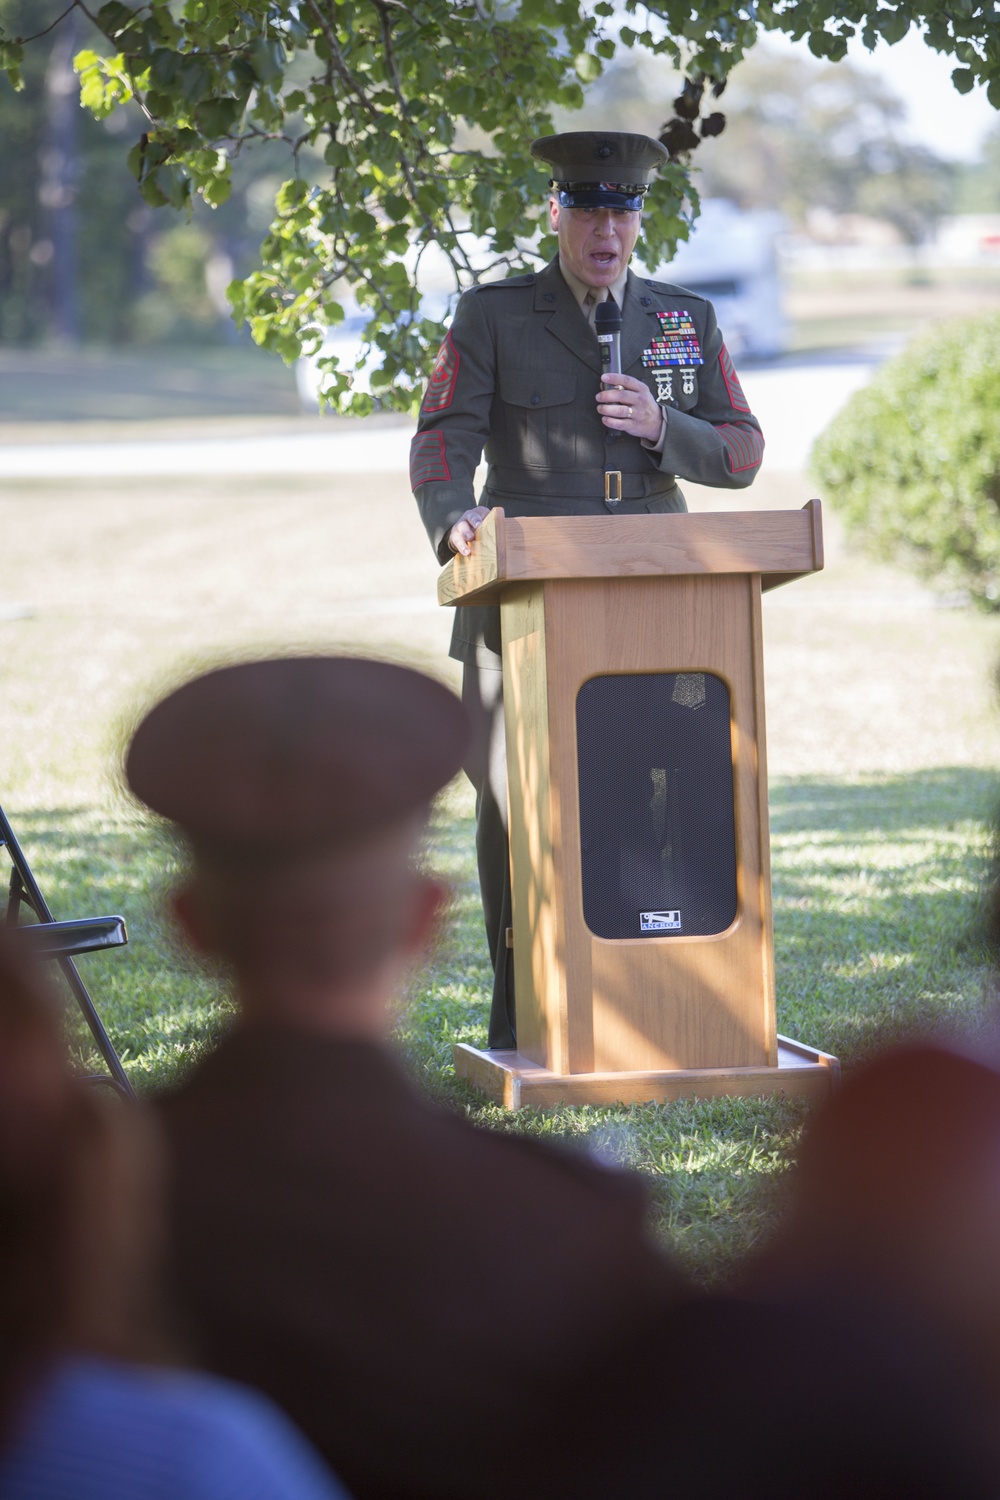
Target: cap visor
x=597, y=198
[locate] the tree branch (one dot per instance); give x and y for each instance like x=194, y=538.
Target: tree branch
x=382, y=10
x=337, y=58
x=22, y=41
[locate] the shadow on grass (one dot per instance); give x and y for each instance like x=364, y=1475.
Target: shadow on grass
x=878, y=906
x=878, y=934
x=159, y=1008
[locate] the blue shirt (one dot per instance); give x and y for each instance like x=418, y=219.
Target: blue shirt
x=102, y=1430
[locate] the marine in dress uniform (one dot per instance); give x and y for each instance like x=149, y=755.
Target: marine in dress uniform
x=519, y=377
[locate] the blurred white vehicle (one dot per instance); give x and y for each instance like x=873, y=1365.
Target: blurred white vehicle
x=346, y=340
x=438, y=296
x=731, y=258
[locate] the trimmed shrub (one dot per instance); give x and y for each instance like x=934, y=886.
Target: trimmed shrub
x=912, y=462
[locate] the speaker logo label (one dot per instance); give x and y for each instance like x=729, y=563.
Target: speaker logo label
x=659, y=921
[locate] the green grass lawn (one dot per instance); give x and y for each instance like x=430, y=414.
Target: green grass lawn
x=877, y=884
x=144, y=383
x=881, y=752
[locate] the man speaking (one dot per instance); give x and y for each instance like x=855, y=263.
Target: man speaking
x=520, y=375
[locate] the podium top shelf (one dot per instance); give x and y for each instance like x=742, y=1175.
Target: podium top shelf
x=778, y=544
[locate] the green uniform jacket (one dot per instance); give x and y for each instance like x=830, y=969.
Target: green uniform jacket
x=517, y=375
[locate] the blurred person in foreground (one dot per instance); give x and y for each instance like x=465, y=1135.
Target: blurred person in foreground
x=332, y=1231
x=84, y=1414
x=895, y=1211
x=857, y=1356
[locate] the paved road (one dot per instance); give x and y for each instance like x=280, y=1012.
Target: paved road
x=793, y=401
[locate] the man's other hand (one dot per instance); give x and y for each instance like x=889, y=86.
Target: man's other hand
x=463, y=533
x=628, y=406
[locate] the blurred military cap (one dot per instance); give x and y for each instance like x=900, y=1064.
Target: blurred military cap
x=600, y=169
x=296, y=752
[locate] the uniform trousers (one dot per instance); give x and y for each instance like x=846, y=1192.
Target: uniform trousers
x=486, y=768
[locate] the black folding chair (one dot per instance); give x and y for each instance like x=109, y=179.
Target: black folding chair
x=59, y=941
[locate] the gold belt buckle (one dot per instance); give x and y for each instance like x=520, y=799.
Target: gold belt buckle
x=609, y=475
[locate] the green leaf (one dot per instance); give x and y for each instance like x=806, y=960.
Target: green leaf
x=163, y=68
x=136, y=158
x=587, y=66
x=217, y=117
x=291, y=194
x=268, y=60
x=102, y=85
x=964, y=80
x=114, y=19
x=893, y=24
x=152, y=193
x=508, y=209
x=11, y=58
x=216, y=190
x=362, y=223
x=194, y=78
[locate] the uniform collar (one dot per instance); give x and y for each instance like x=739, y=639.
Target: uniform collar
x=580, y=289
x=553, y=295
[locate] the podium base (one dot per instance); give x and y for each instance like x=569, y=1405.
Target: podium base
x=513, y=1081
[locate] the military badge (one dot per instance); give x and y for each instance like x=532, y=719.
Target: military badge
x=734, y=390
x=664, y=385
x=677, y=348
x=428, y=459
x=441, y=386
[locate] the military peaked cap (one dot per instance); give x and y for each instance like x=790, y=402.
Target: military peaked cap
x=595, y=169
x=296, y=753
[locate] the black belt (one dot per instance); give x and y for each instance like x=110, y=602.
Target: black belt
x=606, y=485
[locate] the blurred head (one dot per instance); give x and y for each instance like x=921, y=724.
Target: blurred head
x=77, y=1187
x=897, y=1196
x=324, y=938
x=303, y=786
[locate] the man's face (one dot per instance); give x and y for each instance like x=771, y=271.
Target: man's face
x=595, y=243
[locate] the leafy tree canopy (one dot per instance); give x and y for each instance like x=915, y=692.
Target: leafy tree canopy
x=407, y=124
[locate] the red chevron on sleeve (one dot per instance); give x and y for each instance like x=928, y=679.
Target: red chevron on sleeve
x=744, y=444
x=428, y=459
x=731, y=380
x=441, y=386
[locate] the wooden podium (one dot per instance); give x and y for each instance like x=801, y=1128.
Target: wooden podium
x=599, y=603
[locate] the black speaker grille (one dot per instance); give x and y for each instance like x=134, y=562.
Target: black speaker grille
x=657, y=813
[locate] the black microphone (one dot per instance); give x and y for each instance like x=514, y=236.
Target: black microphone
x=608, y=323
